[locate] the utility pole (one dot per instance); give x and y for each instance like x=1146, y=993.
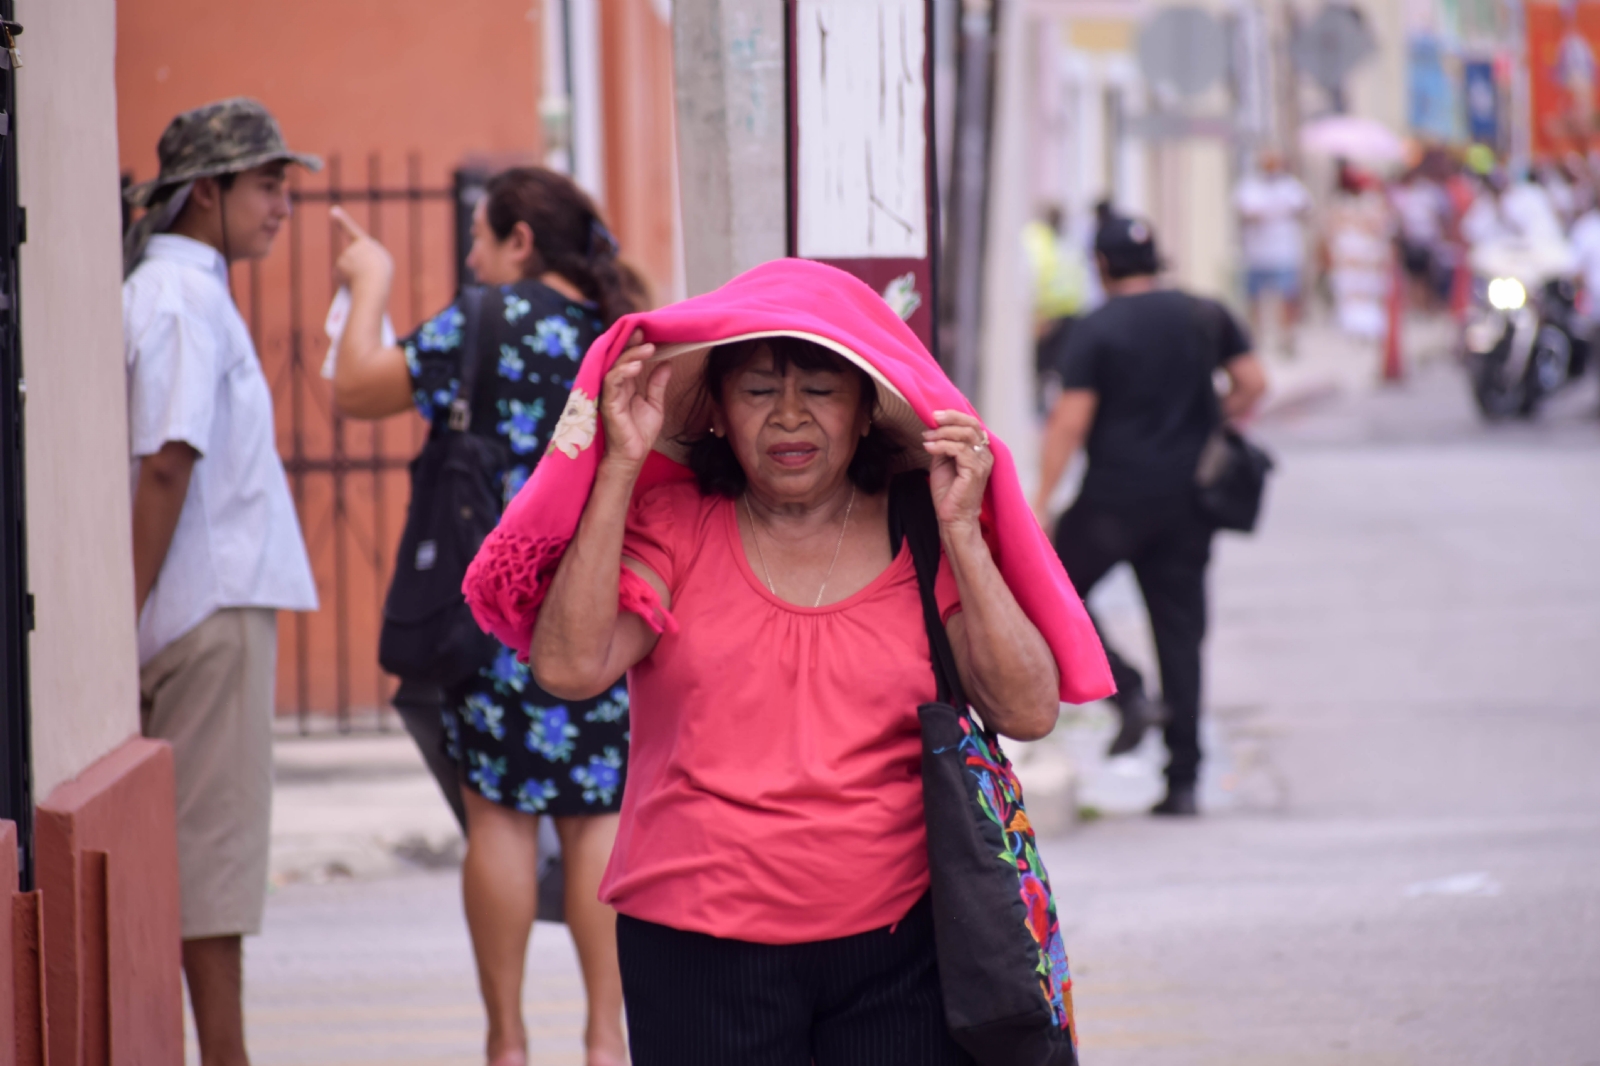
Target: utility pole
x=729, y=58
x=962, y=301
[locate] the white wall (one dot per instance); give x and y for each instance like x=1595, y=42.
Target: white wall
x=84, y=664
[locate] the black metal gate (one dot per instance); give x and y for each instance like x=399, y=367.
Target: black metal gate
x=16, y=604
x=348, y=477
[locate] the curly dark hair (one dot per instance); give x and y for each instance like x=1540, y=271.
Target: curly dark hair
x=716, y=468
x=569, y=236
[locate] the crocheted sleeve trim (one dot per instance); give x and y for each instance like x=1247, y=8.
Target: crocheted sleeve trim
x=508, y=580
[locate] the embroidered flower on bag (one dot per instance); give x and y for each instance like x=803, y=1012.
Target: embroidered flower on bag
x=576, y=428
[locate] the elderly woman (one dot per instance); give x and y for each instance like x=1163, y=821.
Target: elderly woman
x=771, y=871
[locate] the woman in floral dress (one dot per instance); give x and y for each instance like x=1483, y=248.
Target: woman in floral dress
x=555, y=285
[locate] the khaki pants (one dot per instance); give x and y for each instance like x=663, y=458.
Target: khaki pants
x=210, y=695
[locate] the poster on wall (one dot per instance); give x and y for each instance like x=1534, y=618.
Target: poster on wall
x=1482, y=102
x=1563, y=43
x=1432, y=110
x=861, y=193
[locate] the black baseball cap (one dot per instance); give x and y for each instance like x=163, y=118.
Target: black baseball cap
x=1128, y=246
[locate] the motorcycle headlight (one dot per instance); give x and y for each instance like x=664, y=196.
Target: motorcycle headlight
x=1507, y=294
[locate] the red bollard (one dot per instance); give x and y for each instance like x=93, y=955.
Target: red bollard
x=1392, y=368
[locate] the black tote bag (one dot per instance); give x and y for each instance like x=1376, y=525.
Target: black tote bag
x=1002, y=963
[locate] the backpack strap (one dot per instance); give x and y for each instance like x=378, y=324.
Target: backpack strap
x=471, y=314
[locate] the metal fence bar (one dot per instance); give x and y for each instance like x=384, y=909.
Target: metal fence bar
x=380, y=529
x=341, y=516
x=302, y=631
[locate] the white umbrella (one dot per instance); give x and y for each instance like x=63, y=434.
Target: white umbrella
x=1351, y=137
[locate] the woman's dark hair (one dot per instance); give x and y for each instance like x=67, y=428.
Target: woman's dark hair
x=569, y=236
x=711, y=457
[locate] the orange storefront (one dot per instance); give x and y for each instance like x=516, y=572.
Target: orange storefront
x=396, y=95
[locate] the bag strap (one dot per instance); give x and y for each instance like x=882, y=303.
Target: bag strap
x=472, y=314
x=912, y=518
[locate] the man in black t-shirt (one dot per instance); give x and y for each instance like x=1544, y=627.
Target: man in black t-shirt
x=1138, y=392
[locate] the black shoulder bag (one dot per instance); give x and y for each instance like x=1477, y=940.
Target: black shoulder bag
x=429, y=635
x=1002, y=963
x=1231, y=477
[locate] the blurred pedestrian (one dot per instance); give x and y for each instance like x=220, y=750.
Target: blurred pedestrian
x=772, y=869
x=1423, y=212
x=1060, y=291
x=555, y=284
x=217, y=549
x=1357, y=239
x=1138, y=393
x=1272, y=206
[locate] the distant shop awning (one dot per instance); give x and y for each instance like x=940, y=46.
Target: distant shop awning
x=1349, y=137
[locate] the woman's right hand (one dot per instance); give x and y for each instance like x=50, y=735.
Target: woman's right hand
x=364, y=260
x=633, y=403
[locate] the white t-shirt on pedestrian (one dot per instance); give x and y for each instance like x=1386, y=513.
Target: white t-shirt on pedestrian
x=1423, y=209
x=1271, y=206
x=193, y=377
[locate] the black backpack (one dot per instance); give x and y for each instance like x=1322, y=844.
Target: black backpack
x=429, y=635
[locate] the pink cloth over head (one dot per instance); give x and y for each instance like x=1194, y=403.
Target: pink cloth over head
x=512, y=572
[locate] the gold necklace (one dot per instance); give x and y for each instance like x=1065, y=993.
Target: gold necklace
x=826, y=577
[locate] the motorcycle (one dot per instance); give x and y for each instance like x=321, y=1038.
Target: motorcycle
x=1524, y=336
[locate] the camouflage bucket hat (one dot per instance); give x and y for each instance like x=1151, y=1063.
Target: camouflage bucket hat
x=217, y=138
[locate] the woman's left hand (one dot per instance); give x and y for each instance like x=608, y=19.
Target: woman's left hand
x=962, y=463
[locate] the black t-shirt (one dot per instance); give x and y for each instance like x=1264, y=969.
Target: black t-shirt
x=1150, y=358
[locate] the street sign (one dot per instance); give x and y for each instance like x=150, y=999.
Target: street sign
x=1333, y=44
x=1183, y=50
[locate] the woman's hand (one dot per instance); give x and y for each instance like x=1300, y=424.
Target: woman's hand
x=364, y=261
x=633, y=403
x=962, y=463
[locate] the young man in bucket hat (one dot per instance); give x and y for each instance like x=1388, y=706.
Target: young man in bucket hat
x=217, y=548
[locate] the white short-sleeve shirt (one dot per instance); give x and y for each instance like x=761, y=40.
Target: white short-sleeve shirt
x=1272, y=233
x=193, y=377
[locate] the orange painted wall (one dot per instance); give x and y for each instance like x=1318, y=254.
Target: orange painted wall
x=341, y=75
x=640, y=135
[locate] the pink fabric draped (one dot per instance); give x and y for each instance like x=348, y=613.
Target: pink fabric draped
x=512, y=571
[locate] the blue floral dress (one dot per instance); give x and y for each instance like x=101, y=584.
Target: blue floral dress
x=518, y=745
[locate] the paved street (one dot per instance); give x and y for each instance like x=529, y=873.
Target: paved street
x=1402, y=863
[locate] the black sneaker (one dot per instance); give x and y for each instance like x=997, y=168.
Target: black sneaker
x=1179, y=803
x=1138, y=713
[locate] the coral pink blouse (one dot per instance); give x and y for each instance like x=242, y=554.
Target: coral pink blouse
x=775, y=772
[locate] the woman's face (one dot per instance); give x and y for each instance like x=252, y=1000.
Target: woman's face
x=795, y=433
x=495, y=261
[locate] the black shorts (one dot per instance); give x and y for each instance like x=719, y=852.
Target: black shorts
x=872, y=999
